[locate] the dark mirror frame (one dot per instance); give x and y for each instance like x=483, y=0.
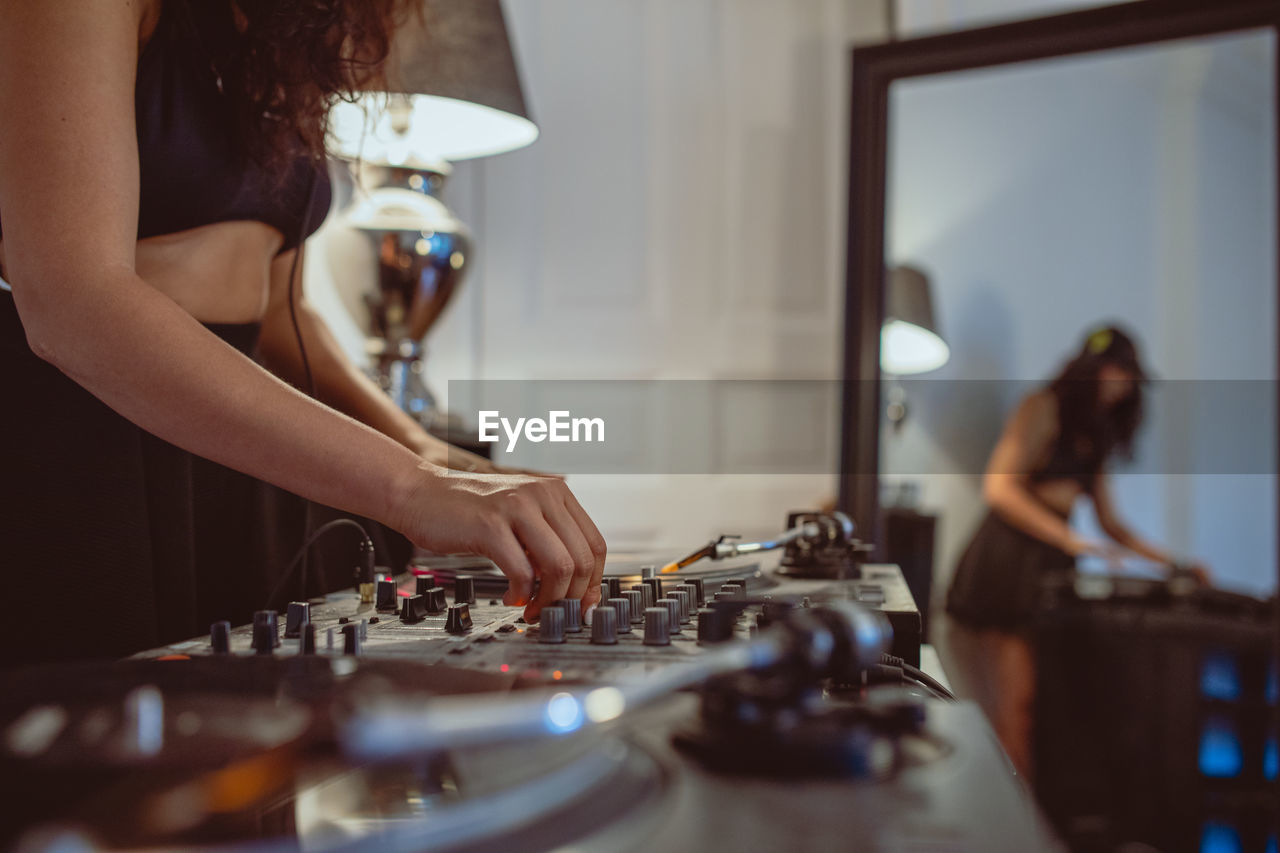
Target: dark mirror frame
x=874, y=69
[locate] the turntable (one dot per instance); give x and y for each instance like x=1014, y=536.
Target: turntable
x=735, y=707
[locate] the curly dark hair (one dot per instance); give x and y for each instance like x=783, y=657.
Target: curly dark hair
x=1090, y=434
x=292, y=58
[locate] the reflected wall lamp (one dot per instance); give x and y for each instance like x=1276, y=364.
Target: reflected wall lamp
x=910, y=342
x=909, y=339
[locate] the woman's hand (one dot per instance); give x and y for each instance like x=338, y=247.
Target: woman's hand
x=446, y=455
x=1199, y=571
x=532, y=527
x=1080, y=547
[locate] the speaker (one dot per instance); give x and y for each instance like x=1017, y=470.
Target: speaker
x=1153, y=718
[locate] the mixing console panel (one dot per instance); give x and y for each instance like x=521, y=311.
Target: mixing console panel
x=466, y=625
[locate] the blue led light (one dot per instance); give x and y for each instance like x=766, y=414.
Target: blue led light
x=563, y=714
x=1272, y=846
x=1220, y=677
x=1270, y=760
x=1220, y=838
x=1220, y=754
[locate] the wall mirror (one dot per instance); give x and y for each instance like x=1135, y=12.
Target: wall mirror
x=1013, y=188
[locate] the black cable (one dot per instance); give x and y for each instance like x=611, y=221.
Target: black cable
x=918, y=675
x=302, y=347
x=366, y=551
x=293, y=285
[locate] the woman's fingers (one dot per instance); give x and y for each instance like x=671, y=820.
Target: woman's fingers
x=575, y=542
x=533, y=528
x=552, y=563
x=595, y=542
x=505, y=550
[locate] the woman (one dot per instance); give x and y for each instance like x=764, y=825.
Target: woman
x=1054, y=449
x=161, y=162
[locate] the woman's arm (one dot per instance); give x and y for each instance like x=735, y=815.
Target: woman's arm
x=1117, y=530
x=1005, y=484
x=340, y=383
x=69, y=196
x=1111, y=524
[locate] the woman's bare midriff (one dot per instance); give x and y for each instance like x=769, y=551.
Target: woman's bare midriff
x=219, y=273
x=1057, y=495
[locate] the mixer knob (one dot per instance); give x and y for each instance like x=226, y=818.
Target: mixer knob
x=695, y=600
x=604, y=627
x=622, y=607
x=266, y=630
x=572, y=614
x=682, y=598
x=635, y=600
x=458, y=619
x=772, y=611
x=220, y=637
x=351, y=639
x=422, y=583
x=435, y=601
x=715, y=625
x=700, y=590
x=299, y=614
x=657, y=626
x=464, y=589
x=413, y=609
x=263, y=639
x=612, y=588
x=386, y=597
x=647, y=598
x=655, y=584
x=551, y=625
x=308, y=644
x=673, y=610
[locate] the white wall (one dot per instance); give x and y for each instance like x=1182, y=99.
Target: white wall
x=681, y=216
x=930, y=17
x=1132, y=186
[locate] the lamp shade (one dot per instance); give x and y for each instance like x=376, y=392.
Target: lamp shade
x=452, y=91
x=399, y=209
x=909, y=340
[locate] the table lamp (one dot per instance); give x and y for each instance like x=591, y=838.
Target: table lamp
x=452, y=92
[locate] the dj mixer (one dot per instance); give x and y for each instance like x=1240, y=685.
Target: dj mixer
x=465, y=624
x=747, y=701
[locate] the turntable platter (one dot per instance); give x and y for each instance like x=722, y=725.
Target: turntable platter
x=240, y=750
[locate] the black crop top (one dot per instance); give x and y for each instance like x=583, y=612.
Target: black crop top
x=193, y=171
x=1071, y=459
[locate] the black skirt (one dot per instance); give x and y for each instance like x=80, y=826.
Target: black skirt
x=999, y=579
x=113, y=541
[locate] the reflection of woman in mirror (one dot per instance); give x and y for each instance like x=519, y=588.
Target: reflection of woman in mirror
x=1054, y=449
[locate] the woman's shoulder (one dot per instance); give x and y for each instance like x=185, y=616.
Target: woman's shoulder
x=1041, y=404
x=1037, y=414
